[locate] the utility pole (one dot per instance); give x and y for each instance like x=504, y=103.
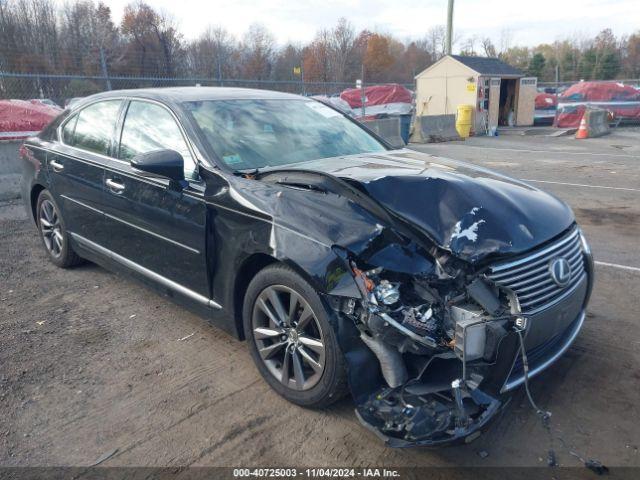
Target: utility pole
x=103, y=65
x=363, y=97
x=449, y=27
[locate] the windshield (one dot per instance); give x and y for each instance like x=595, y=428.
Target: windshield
x=250, y=134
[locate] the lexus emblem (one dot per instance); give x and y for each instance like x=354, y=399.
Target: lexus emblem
x=560, y=271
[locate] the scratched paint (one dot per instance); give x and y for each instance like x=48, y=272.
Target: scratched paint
x=470, y=232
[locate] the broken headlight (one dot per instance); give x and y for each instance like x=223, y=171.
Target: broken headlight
x=430, y=314
x=387, y=292
x=397, y=313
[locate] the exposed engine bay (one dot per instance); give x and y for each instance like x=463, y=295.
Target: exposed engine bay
x=436, y=335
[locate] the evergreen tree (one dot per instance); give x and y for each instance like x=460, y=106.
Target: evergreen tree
x=536, y=65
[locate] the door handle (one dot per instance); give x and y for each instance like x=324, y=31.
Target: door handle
x=114, y=186
x=57, y=167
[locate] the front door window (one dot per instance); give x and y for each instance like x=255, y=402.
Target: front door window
x=149, y=127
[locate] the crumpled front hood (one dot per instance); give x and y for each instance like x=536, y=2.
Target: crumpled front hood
x=470, y=211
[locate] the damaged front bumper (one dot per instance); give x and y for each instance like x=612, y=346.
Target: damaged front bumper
x=450, y=345
x=545, y=355
x=455, y=432
x=408, y=427
x=448, y=397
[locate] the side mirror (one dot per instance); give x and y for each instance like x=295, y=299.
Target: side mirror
x=162, y=163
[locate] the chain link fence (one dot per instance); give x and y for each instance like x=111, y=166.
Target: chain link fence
x=558, y=103
x=62, y=88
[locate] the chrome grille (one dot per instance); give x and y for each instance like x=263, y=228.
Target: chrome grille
x=529, y=277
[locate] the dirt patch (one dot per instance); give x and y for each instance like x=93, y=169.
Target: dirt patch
x=91, y=363
x=623, y=219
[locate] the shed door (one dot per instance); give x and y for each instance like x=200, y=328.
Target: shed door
x=494, y=102
x=526, y=101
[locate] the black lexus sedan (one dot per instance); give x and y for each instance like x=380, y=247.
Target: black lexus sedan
x=428, y=287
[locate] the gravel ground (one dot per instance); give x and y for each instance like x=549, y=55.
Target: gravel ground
x=91, y=362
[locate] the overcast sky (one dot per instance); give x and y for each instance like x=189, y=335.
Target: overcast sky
x=528, y=22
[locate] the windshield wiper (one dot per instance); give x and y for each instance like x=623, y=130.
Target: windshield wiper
x=247, y=172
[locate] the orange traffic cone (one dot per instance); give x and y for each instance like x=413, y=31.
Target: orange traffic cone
x=582, y=130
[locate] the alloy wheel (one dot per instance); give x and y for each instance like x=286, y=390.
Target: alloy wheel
x=289, y=338
x=51, y=228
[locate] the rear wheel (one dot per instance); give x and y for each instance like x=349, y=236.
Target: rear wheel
x=53, y=232
x=291, y=340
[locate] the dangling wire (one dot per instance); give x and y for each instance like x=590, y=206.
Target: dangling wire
x=545, y=417
x=525, y=363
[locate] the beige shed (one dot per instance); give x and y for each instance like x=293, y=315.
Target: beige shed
x=501, y=94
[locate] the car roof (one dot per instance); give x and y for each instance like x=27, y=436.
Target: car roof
x=191, y=94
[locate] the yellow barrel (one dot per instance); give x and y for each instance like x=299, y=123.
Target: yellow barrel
x=464, y=120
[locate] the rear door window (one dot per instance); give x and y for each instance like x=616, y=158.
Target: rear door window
x=94, y=127
x=149, y=126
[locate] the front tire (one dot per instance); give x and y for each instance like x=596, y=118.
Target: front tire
x=54, y=233
x=291, y=339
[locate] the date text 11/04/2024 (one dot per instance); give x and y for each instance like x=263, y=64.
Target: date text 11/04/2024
x=316, y=472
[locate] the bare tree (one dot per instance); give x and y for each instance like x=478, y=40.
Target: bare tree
x=80, y=37
x=257, y=52
x=225, y=45
x=517, y=56
x=88, y=37
x=630, y=49
x=488, y=47
x=416, y=59
x=378, y=59
x=318, y=58
x=469, y=47
x=343, y=42
x=506, y=39
x=289, y=57
x=137, y=30
x=209, y=55
x=30, y=37
x=153, y=44
x=170, y=40
x=435, y=41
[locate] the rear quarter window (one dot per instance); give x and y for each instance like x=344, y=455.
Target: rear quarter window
x=68, y=130
x=50, y=132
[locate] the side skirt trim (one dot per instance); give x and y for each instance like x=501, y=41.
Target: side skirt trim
x=146, y=272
